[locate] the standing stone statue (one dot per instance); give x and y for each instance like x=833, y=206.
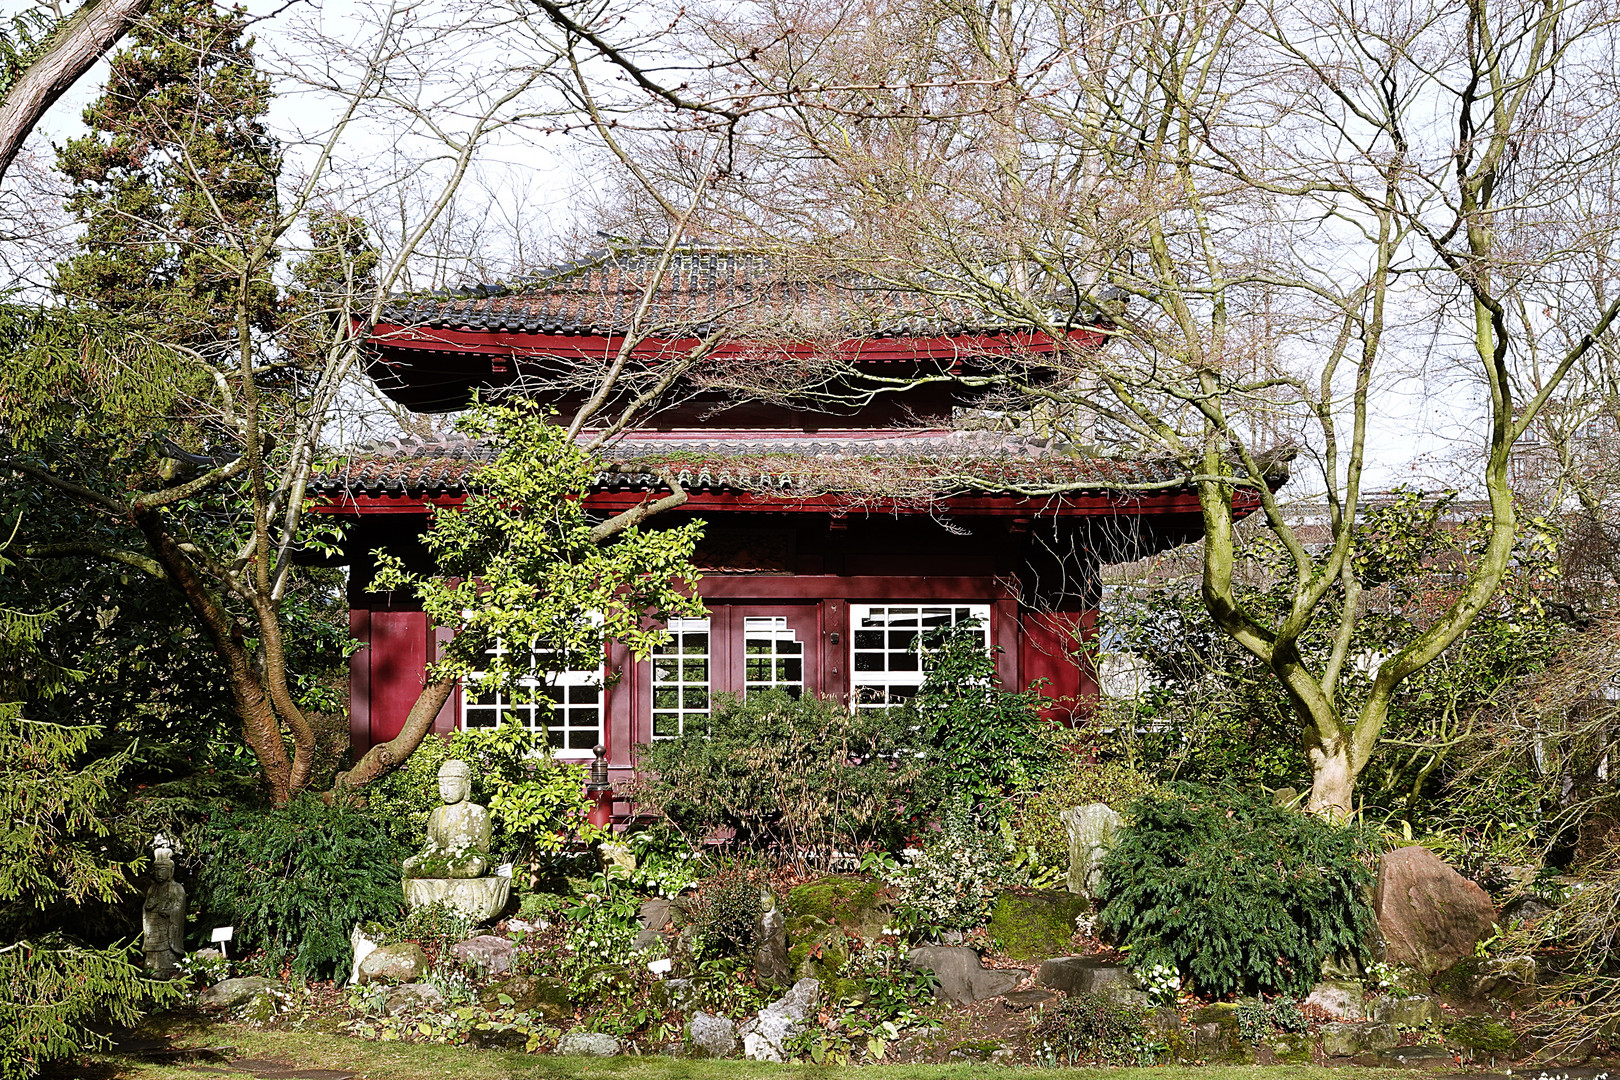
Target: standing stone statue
x=1092, y=830
x=453, y=866
x=163, y=916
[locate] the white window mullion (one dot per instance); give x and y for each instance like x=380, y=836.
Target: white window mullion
x=885, y=663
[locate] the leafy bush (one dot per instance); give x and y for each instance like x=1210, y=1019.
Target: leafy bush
x=726, y=913
x=1073, y=782
x=798, y=780
x=294, y=880
x=1087, y=1028
x=434, y=926
x=982, y=742
x=1257, y=1019
x=1236, y=892
x=952, y=883
x=535, y=801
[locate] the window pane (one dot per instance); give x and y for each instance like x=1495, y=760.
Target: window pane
x=868, y=661
x=695, y=644
x=669, y=698
x=695, y=671
x=869, y=639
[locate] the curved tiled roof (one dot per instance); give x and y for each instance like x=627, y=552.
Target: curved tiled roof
x=916, y=464
x=702, y=288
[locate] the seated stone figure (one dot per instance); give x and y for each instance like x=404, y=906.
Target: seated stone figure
x=454, y=867
x=458, y=831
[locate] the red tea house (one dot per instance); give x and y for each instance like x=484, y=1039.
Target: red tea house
x=875, y=501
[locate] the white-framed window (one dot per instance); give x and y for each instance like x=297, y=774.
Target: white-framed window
x=773, y=656
x=680, y=678
x=567, y=705
x=885, y=667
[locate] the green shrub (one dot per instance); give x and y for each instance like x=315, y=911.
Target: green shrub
x=1238, y=893
x=535, y=801
x=296, y=879
x=952, y=883
x=798, y=780
x=1073, y=782
x=982, y=742
x=435, y=927
x=726, y=913
x=1086, y=1028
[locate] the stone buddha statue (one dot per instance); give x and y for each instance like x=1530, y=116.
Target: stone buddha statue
x=163, y=917
x=457, y=832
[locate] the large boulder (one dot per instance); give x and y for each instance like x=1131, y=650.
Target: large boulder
x=963, y=978
x=413, y=997
x=711, y=1036
x=404, y=962
x=1430, y=915
x=1091, y=830
x=545, y=995
x=486, y=954
x=853, y=904
x=579, y=1043
x=1084, y=975
x=1340, y=1039
x=766, y=1036
x=233, y=992
x=1406, y=1010
x=1342, y=1000
x=1030, y=925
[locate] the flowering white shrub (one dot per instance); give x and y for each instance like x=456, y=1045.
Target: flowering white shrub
x=1161, y=982
x=951, y=883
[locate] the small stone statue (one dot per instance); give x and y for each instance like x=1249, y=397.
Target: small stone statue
x=163, y=916
x=458, y=831
x=452, y=868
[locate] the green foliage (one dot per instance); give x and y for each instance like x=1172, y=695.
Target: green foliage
x=952, y=883
x=54, y=796
x=434, y=926
x=1209, y=712
x=726, y=913
x=1072, y=782
x=518, y=563
x=1085, y=1028
x=982, y=742
x=22, y=42
x=1257, y=1019
x=177, y=173
x=296, y=879
x=798, y=779
x=537, y=804
x=1238, y=893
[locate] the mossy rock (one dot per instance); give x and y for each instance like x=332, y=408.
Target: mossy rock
x=848, y=902
x=822, y=957
x=1456, y=983
x=1036, y=925
x=1289, y=1049
x=1481, y=1033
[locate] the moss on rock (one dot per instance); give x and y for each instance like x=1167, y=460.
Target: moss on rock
x=1481, y=1033
x=1036, y=925
x=852, y=903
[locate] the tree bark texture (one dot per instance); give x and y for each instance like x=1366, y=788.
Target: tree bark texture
x=70, y=51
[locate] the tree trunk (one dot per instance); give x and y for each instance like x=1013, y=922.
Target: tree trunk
x=1333, y=782
x=71, y=50
x=260, y=728
x=384, y=758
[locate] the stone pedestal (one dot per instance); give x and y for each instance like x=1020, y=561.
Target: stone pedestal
x=480, y=898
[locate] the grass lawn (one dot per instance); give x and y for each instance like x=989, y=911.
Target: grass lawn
x=421, y=1061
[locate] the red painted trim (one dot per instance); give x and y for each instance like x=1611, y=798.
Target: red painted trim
x=503, y=347
x=1175, y=501
x=832, y=587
